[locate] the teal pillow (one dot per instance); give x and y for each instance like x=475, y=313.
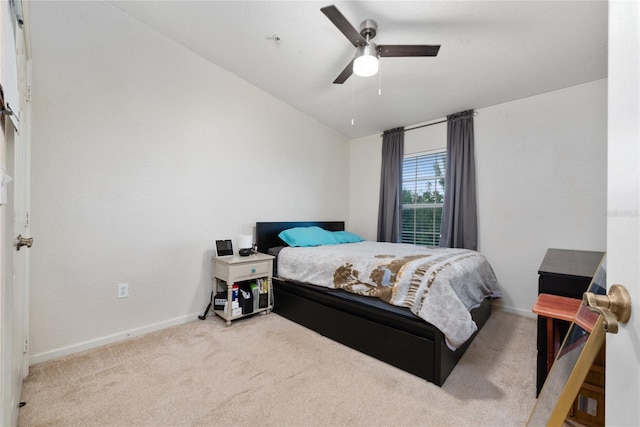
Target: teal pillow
x=347, y=237
x=307, y=236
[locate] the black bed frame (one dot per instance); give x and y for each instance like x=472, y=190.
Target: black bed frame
x=388, y=333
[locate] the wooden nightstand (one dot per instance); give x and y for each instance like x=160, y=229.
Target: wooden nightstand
x=242, y=271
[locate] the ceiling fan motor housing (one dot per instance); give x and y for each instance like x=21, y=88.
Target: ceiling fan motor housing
x=368, y=29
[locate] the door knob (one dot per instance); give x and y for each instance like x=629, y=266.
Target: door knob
x=615, y=306
x=23, y=241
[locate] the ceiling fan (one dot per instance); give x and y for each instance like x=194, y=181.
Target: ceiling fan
x=365, y=61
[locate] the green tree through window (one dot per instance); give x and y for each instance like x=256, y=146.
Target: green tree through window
x=423, y=180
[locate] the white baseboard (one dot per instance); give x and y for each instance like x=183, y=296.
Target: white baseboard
x=121, y=336
x=513, y=310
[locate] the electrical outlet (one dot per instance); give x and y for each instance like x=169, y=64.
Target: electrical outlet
x=123, y=290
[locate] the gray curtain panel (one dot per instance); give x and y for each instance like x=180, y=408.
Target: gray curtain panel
x=390, y=207
x=459, y=216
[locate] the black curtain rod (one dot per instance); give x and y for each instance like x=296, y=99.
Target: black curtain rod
x=428, y=124
x=475, y=113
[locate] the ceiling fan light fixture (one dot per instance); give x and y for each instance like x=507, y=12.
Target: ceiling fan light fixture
x=365, y=63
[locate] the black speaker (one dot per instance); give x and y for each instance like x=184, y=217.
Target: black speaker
x=245, y=252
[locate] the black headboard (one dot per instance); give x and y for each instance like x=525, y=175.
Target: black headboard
x=267, y=232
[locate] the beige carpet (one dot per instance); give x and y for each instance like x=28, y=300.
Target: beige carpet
x=266, y=370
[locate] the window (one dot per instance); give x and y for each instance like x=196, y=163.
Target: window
x=422, y=197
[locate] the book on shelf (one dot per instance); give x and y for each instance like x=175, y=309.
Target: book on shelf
x=263, y=285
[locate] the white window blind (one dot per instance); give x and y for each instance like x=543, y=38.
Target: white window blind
x=423, y=183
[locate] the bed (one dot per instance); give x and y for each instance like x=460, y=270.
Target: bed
x=391, y=333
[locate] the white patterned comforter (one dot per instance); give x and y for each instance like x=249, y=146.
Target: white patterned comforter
x=440, y=285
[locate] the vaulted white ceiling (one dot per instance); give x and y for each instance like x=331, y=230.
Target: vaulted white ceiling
x=492, y=52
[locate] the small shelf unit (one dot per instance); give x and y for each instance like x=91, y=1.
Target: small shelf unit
x=234, y=269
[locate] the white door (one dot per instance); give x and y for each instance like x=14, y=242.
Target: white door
x=622, y=407
x=15, y=311
x=14, y=295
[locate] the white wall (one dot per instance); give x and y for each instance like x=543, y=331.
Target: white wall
x=143, y=155
x=364, y=185
x=543, y=182
x=541, y=177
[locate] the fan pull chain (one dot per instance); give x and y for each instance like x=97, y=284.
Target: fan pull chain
x=353, y=84
x=379, y=77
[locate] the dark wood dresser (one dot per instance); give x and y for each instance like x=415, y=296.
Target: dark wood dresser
x=566, y=273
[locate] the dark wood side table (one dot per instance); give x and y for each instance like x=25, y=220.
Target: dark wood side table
x=565, y=273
